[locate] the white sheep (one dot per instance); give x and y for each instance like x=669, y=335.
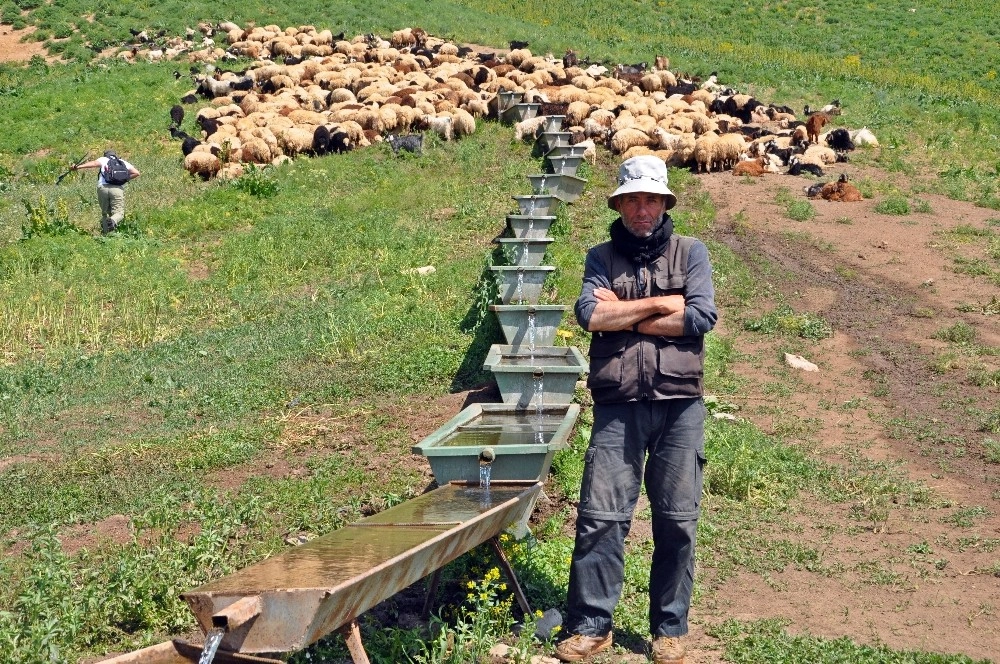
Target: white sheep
x=864, y=136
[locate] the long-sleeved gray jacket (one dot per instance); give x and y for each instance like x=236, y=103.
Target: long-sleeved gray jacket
x=629, y=366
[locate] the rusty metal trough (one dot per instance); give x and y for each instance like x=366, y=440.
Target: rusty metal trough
x=307, y=592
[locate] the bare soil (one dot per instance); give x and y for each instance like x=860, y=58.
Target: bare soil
x=12, y=49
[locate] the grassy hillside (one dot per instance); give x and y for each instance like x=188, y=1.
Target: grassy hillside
x=227, y=321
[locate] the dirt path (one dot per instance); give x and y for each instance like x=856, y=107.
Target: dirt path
x=912, y=577
x=12, y=49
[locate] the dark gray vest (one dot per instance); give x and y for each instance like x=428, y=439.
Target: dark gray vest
x=628, y=366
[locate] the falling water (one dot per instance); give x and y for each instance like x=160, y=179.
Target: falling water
x=212, y=641
x=531, y=220
x=520, y=286
x=531, y=330
x=531, y=207
x=541, y=186
x=485, y=469
x=539, y=405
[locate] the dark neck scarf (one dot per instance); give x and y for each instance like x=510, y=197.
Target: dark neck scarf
x=642, y=249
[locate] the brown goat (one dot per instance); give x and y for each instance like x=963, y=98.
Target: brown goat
x=841, y=191
x=814, y=125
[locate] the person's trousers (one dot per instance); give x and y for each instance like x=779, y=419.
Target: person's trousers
x=671, y=433
x=112, y=200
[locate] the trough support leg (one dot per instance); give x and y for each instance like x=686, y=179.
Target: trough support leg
x=432, y=587
x=522, y=599
x=352, y=637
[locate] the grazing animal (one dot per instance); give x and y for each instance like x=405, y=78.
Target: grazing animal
x=864, y=136
x=340, y=142
x=412, y=143
x=516, y=45
x=177, y=114
x=570, y=59
x=833, y=108
x=188, y=145
x=814, y=125
x=841, y=191
x=753, y=167
x=796, y=167
x=814, y=190
x=321, y=140
x=840, y=139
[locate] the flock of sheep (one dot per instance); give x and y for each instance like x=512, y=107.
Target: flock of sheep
x=330, y=94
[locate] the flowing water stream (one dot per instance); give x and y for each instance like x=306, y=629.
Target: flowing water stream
x=212, y=641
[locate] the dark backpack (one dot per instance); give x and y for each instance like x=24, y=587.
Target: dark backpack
x=116, y=172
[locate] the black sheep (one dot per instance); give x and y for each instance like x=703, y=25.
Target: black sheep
x=189, y=99
x=570, y=59
x=515, y=44
x=177, y=114
x=340, y=142
x=189, y=145
x=321, y=141
x=208, y=125
x=840, y=139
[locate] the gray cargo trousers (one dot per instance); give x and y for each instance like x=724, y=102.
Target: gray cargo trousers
x=112, y=200
x=668, y=438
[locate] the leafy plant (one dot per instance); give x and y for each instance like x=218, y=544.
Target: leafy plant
x=47, y=219
x=257, y=181
x=959, y=333
x=784, y=320
x=895, y=204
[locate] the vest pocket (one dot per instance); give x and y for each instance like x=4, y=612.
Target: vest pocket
x=666, y=284
x=606, y=365
x=681, y=357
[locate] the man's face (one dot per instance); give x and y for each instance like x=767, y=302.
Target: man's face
x=641, y=211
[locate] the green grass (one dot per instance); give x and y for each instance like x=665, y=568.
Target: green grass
x=139, y=368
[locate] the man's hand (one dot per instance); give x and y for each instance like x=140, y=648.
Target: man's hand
x=605, y=295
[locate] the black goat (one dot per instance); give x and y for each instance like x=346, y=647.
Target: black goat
x=797, y=167
x=570, y=59
x=177, y=114
x=840, y=139
x=515, y=44
x=189, y=99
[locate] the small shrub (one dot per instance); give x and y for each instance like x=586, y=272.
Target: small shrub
x=257, y=182
x=992, y=448
x=800, y=211
x=922, y=206
x=959, y=333
x=897, y=205
x=985, y=378
x=45, y=218
x=784, y=320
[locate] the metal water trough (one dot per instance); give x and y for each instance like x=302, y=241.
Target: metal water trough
x=526, y=252
x=179, y=651
x=537, y=205
x=521, y=285
x=563, y=165
x=566, y=151
x=506, y=99
x=553, y=123
x=306, y=592
x=552, y=139
x=514, y=322
x=508, y=433
x=566, y=188
x=519, y=112
x=529, y=227
x=519, y=372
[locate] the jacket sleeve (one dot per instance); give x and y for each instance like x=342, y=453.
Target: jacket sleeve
x=594, y=276
x=700, y=313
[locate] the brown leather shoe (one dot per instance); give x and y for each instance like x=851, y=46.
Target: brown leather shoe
x=668, y=650
x=579, y=647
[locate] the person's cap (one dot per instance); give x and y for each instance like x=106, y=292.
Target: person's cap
x=647, y=174
x=110, y=153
